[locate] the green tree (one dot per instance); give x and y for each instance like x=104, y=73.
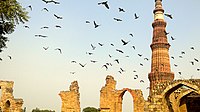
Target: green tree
x=91, y=109
x=38, y=110
x=11, y=14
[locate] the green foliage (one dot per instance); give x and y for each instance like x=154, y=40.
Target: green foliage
x=90, y=109
x=11, y=14
x=38, y=110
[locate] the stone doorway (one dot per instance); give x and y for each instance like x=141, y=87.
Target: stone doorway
x=193, y=102
x=127, y=102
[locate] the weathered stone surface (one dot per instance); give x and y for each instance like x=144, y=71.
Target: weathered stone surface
x=111, y=98
x=8, y=103
x=70, y=99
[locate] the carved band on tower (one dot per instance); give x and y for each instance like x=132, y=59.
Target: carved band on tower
x=160, y=62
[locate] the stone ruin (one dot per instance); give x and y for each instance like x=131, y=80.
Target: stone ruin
x=70, y=99
x=7, y=101
x=171, y=96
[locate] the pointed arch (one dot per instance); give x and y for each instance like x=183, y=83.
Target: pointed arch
x=138, y=100
x=177, y=85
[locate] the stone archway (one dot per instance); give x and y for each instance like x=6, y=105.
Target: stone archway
x=111, y=98
x=137, y=97
x=174, y=95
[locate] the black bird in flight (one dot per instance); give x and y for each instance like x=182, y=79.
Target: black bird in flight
x=179, y=73
x=93, y=47
x=96, y=25
x=25, y=26
x=142, y=81
x=72, y=72
x=124, y=42
x=59, y=50
x=180, y=56
x=82, y=65
x=51, y=1
x=198, y=69
x=117, y=19
x=196, y=60
x=58, y=26
x=105, y=67
x=117, y=60
x=121, y=10
x=89, y=53
x=87, y=21
x=146, y=59
x=182, y=52
x=45, y=1
x=120, y=72
x=58, y=17
x=30, y=7
x=140, y=55
x=192, y=62
x=172, y=38
x=9, y=57
x=45, y=48
x=166, y=33
x=141, y=64
x=119, y=50
x=104, y=3
x=93, y=61
x=73, y=61
x=136, y=16
x=192, y=48
x=122, y=69
x=110, y=56
x=169, y=15
x=134, y=70
x=112, y=44
x=1, y=59
x=43, y=36
x=133, y=47
x=136, y=76
x=172, y=57
x=131, y=34
x=175, y=65
x=45, y=9
x=44, y=27
x=100, y=44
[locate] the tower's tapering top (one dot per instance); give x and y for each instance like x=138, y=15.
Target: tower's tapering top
x=158, y=11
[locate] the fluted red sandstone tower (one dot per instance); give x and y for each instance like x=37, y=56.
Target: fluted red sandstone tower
x=160, y=62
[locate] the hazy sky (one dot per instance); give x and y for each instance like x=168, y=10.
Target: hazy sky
x=40, y=75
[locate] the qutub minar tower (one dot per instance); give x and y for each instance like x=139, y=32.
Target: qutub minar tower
x=160, y=61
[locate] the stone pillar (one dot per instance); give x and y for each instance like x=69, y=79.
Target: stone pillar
x=71, y=99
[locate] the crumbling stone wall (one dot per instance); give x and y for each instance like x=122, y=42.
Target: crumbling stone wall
x=8, y=103
x=71, y=99
x=111, y=98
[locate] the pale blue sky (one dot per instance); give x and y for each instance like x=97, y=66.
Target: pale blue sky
x=40, y=75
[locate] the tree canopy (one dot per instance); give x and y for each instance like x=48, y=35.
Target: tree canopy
x=11, y=14
x=38, y=110
x=90, y=109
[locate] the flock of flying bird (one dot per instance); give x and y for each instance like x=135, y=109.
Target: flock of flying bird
x=107, y=65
